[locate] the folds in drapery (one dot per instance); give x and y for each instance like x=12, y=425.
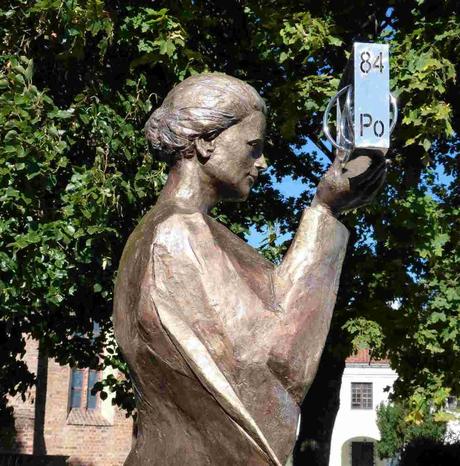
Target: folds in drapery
x=206, y=370
x=208, y=299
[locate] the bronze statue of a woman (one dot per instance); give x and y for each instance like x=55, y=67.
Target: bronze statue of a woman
x=222, y=346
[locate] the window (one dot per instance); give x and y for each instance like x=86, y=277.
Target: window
x=361, y=395
x=81, y=383
x=76, y=387
x=91, y=400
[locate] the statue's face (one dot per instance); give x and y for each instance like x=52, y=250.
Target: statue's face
x=236, y=157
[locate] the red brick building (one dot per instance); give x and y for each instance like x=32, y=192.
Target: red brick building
x=62, y=423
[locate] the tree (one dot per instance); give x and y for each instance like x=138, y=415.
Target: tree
x=425, y=443
x=396, y=433
x=78, y=80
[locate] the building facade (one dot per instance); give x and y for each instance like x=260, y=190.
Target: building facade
x=365, y=385
x=62, y=423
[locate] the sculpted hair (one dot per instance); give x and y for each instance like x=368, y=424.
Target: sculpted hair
x=200, y=107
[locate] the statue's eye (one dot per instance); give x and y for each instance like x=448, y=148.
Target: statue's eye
x=256, y=148
x=256, y=143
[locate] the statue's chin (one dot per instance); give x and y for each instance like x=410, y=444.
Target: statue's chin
x=236, y=199
x=235, y=194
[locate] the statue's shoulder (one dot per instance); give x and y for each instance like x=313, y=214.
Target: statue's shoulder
x=166, y=224
x=168, y=228
x=177, y=217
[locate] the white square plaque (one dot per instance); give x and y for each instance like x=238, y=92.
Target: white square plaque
x=371, y=96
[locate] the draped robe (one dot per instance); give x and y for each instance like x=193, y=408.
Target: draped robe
x=222, y=346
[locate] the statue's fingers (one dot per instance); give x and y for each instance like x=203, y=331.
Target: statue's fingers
x=375, y=155
x=368, y=190
x=373, y=186
x=360, y=178
x=355, y=203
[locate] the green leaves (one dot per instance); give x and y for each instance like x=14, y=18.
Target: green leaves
x=365, y=334
x=69, y=26
x=303, y=36
x=423, y=75
x=396, y=433
x=159, y=37
x=71, y=179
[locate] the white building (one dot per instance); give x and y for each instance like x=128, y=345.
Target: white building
x=355, y=430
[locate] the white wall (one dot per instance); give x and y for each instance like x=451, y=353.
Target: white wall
x=358, y=424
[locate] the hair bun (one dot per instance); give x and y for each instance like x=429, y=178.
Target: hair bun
x=154, y=128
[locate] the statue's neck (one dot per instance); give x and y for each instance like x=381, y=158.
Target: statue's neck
x=189, y=185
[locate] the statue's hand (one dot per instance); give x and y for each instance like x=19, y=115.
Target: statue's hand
x=353, y=185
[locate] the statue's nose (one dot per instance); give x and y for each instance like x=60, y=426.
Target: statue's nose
x=261, y=163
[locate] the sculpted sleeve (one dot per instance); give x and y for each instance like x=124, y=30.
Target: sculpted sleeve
x=306, y=285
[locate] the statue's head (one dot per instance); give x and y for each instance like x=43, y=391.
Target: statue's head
x=218, y=122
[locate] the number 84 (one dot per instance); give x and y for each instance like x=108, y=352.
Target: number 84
x=366, y=65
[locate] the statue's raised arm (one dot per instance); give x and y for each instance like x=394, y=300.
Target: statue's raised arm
x=221, y=344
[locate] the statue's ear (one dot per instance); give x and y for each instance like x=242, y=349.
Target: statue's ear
x=204, y=148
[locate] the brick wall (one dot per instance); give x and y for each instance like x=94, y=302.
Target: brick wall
x=24, y=411
x=100, y=437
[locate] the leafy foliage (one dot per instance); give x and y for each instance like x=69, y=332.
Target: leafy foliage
x=78, y=80
x=396, y=433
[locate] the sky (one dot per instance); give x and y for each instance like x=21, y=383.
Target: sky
x=288, y=187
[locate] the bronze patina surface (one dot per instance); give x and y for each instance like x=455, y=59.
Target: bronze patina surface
x=222, y=345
